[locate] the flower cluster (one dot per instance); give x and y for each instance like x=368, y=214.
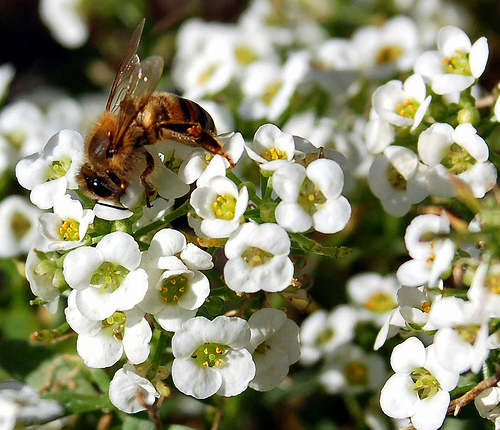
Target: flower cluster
x=118, y=271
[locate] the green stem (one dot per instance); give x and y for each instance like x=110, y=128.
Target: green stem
x=309, y=245
x=251, y=192
x=160, y=347
x=167, y=219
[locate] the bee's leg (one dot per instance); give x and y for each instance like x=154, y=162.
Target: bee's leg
x=192, y=134
x=149, y=188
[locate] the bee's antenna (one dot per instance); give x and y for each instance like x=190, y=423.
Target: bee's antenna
x=122, y=208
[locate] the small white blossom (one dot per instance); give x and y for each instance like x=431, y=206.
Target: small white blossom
x=18, y=220
x=322, y=333
x=311, y=197
x=21, y=403
x=396, y=178
x=200, y=167
x=50, y=173
x=456, y=65
x=211, y=357
x=389, y=48
x=430, y=258
x=351, y=370
x=220, y=205
x=67, y=226
x=459, y=152
x=270, y=144
x=7, y=72
x=176, y=286
x=107, y=278
x=65, y=21
x=274, y=344
x=45, y=277
x=420, y=388
x=402, y=104
x=267, y=87
x=374, y=294
x=130, y=392
x=258, y=259
x=461, y=342
x=102, y=343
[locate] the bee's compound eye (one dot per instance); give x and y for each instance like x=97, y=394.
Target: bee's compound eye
x=98, y=186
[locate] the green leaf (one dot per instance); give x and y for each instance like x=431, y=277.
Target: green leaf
x=77, y=403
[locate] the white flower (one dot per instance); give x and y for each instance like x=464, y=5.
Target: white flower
x=258, y=259
x=351, y=370
x=45, y=277
x=402, y=104
x=461, y=340
x=200, y=166
x=205, y=64
x=456, y=65
x=274, y=344
x=102, y=343
x=379, y=134
x=311, y=197
x=49, y=174
x=374, y=294
x=334, y=65
x=65, y=21
x=270, y=144
x=488, y=404
x=420, y=388
x=484, y=288
x=220, y=205
x=7, y=72
x=322, y=333
x=396, y=178
x=18, y=220
x=21, y=402
x=23, y=128
x=459, y=152
x=211, y=357
x=387, y=49
x=106, y=278
x=176, y=286
x=412, y=314
x=430, y=258
x=130, y=392
x=267, y=87
x=67, y=226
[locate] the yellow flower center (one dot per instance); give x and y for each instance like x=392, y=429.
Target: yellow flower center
x=380, y=303
x=458, y=63
x=356, y=373
x=270, y=91
x=256, y=257
x=109, y=276
x=69, y=230
x=210, y=354
x=172, y=289
x=396, y=179
x=407, y=108
x=387, y=54
x=224, y=206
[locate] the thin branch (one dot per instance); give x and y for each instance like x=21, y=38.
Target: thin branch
x=457, y=404
x=218, y=415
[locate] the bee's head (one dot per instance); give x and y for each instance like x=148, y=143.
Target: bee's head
x=106, y=186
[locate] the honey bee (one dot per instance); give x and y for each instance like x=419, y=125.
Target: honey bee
x=136, y=116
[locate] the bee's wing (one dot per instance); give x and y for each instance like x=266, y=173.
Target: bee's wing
x=142, y=82
x=128, y=62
